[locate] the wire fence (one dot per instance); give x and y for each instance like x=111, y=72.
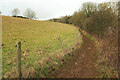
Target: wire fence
x=45, y=59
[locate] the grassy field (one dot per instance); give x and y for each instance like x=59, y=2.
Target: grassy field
x=39, y=43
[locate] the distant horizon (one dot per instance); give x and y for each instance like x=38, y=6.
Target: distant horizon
x=46, y=9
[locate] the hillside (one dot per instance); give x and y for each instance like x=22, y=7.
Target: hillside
x=83, y=62
x=39, y=44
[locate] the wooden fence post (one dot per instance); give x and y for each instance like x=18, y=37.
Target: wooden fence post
x=60, y=42
x=77, y=38
x=19, y=59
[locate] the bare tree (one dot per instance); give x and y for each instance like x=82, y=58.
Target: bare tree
x=89, y=7
x=15, y=12
x=0, y=12
x=30, y=14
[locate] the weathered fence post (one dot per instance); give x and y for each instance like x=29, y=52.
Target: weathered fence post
x=61, y=42
x=77, y=38
x=19, y=59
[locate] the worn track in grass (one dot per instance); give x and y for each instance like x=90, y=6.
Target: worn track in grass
x=82, y=65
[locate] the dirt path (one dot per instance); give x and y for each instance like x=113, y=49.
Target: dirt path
x=82, y=65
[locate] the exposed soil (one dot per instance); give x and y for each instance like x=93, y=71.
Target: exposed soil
x=82, y=64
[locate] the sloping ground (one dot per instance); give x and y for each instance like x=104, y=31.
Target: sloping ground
x=40, y=45
x=107, y=63
x=97, y=59
x=82, y=65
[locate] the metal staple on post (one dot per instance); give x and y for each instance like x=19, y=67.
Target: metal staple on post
x=19, y=59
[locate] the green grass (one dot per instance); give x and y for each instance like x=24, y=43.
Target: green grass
x=89, y=36
x=39, y=40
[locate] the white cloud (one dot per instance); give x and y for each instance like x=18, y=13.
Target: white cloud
x=44, y=8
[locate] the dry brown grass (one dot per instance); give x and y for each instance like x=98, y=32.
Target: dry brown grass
x=108, y=55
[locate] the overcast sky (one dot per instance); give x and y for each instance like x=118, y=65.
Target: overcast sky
x=45, y=9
